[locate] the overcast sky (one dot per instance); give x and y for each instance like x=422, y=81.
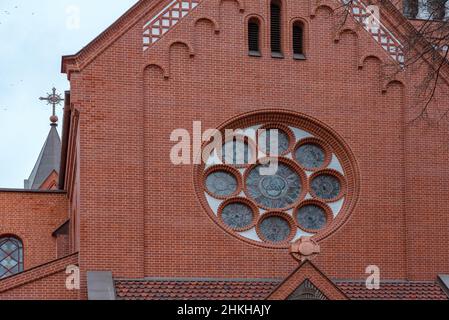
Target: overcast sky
x=34, y=35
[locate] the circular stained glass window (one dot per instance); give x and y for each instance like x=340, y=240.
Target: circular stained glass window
x=237, y=215
x=221, y=183
x=268, y=138
x=236, y=152
x=311, y=217
x=279, y=190
x=248, y=200
x=275, y=229
x=310, y=156
x=326, y=186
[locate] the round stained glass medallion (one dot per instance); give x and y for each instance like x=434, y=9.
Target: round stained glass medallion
x=275, y=191
x=275, y=229
x=236, y=152
x=310, y=156
x=268, y=137
x=221, y=183
x=326, y=186
x=311, y=217
x=237, y=215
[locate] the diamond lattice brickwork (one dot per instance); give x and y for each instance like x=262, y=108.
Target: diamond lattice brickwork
x=169, y=16
x=166, y=19
x=377, y=30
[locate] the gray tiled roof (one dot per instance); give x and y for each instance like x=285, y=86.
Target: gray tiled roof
x=47, y=162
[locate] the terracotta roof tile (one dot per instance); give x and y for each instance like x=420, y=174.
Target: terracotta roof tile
x=196, y=290
x=394, y=290
x=259, y=289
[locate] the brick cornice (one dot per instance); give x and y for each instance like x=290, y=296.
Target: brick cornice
x=42, y=192
x=38, y=272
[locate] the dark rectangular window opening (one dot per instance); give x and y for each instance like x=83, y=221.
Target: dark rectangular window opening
x=276, y=50
x=298, y=42
x=253, y=39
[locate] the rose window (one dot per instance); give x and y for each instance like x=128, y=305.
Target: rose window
x=272, y=192
x=279, y=190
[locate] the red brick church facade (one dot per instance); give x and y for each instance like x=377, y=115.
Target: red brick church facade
x=140, y=227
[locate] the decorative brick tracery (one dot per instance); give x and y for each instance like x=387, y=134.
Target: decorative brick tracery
x=167, y=18
x=173, y=13
x=377, y=30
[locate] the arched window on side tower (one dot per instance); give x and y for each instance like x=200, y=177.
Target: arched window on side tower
x=254, y=37
x=11, y=256
x=276, y=29
x=298, y=40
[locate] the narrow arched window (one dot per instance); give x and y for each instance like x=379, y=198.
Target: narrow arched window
x=298, y=40
x=254, y=37
x=275, y=24
x=11, y=256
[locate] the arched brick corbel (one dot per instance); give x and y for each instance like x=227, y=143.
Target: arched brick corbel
x=317, y=5
x=219, y=13
x=337, y=36
x=363, y=58
x=185, y=43
x=162, y=67
x=388, y=83
x=382, y=65
x=239, y=2
x=354, y=32
x=345, y=25
x=213, y=21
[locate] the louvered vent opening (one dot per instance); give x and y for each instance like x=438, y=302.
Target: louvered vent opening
x=253, y=37
x=275, y=28
x=298, y=39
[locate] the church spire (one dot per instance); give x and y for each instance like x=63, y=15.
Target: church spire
x=46, y=170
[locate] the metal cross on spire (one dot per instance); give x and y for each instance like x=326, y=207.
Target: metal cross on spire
x=53, y=99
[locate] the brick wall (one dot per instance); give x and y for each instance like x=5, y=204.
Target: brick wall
x=139, y=215
x=32, y=217
x=45, y=282
x=62, y=245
